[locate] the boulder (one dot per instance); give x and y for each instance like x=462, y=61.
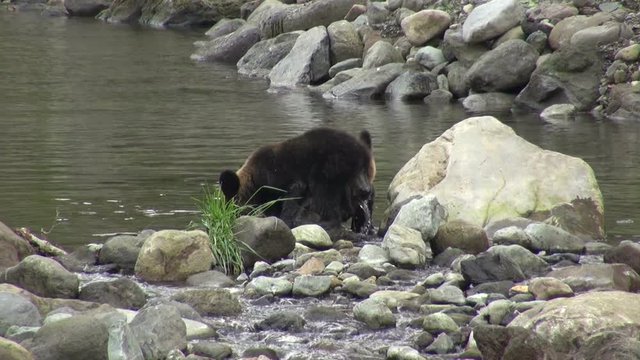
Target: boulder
x=424, y=25
x=558, y=112
x=511, y=343
x=369, y=84
x=627, y=252
x=264, y=55
x=18, y=311
x=455, y=48
x=123, y=251
x=210, y=302
x=491, y=20
x=265, y=239
x=373, y=255
x=545, y=237
x=491, y=102
x=374, y=313
x=228, y=48
x=547, y=288
x=288, y=321
x=624, y=102
x=588, y=277
x=211, y=279
x=470, y=238
x=312, y=235
x=567, y=323
x=224, y=27
x=500, y=263
x=505, y=68
x=89, y=8
x=516, y=178
x=422, y=213
x=564, y=30
x=411, y=85
x=159, y=329
x=13, y=248
x=10, y=350
x=264, y=285
x=309, y=285
x=120, y=293
x=44, y=277
x=429, y=57
x=381, y=53
x=345, y=43
x=457, y=79
x=605, y=34
x=344, y=65
x=406, y=247
x=307, y=62
x=173, y=255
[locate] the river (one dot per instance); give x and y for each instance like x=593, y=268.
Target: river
x=111, y=128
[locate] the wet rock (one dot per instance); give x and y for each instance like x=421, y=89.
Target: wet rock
x=434, y=280
x=44, y=277
x=627, y=252
x=120, y=293
x=394, y=298
x=624, y=102
x=429, y=57
x=600, y=277
x=609, y=345
x=411, y=85
x=309, y=285
x=491, y=20
x=547, y=288
x=425, y=25
x=443, y=344
x=326, y=256
x=564, y=30
x=45, y=304
x=447, y=257
x=210, y=302
x=457, y=79
x=13, y=248
x=173, y=255
x=306, y=63
x=344, y=65
x=345, y=43
x=455, y=48
x=447, y=294
x=364, y=270
x=369, y=84
x=459, y=234
x=505, y=68
x=509, y=182
x=373, y=255
x=323, y=313
x=374, y=313
x=438, y=97
x=89, y=8
x=405, y=247
x=158, y=330
x=261, y=353
x=268, y=239
x=10, y=350
x=224, y=27
x=282, y=321
x=381, y=53
x=512, y=343
x=264, y=55
x=502, y=287
x=313, y=266
x=122, y=343
x=209, y=350
x=16, y=310
x=439, y=323
x=403, y=353
x=228, y=48
x=123, y=251
x=264, y=285
x=84, y=259
x=211, y=278
x=558, y=112
x=491, y=102
x=361, y=289
x=502, y=262
x=496, y=313
x=423, y=213
x=553, y=240
x=312, y=235
x=334, y=268
x=512, y=235
x=569, y=321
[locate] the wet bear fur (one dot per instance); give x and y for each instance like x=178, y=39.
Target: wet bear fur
x=325, y=175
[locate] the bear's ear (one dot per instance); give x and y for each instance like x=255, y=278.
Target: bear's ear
x=365, y=137
x=229, y=183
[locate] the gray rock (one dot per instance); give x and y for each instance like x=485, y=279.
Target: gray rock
x=123, y=251
x=455, y=48
x=553, y=239
x=268, y=239
x=210, y=302
x=538, y=39
x=564, y=30
x=158, y=330
x=558, y=112
x=209, y=350
x=307, y=62
x=507, y=67
x=211, y=278
x=13, y=248
x=120, y=293
x=604, y=34
x=373, y=255
x=447, y=294
x=411, y=85
x=288, y=321
x=512, y=343
x=491, y=20
x=491, y=102
x=374, y=313
x=264, y=55
x=122, y=344
x=173, y=255
x=443, y=344
x=429, y=57
x=547, y=288
x=89, y=8
x=344, y=65
x=512, y=235
x=312, y=235
x=345, y=43
x=264, y=285
x=462, y=235
x=627, y=252
x=439, y=323
x=457, y=79
x=495, y=313
x=424, y=214
x=309, y=285
x=403, y=353
x=624, y=102
x=381, y=53
x=44, y=277
x=326, y=256
x=425, y=25
x=569, y=75
x=224, y=27
x=361, y=289
x=530, y=264
x=406, y=247
x=369, y=84
x=16, y=310
x=228, y=48
x=438, y=97
x=589, y=277
x=502, y=262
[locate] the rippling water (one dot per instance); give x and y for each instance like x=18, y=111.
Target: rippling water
x=107, y=128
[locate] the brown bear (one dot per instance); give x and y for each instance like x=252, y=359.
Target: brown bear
x=324, y=176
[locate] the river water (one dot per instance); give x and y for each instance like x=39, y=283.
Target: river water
x=108, y=128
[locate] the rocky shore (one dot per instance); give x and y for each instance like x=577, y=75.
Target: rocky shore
x=507, y=262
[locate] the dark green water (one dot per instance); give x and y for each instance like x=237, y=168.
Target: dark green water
x=108, y=128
